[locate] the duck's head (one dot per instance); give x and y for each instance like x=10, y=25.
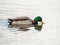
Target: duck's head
x=38, y=20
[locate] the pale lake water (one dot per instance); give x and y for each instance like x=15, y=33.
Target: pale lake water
x=49, y=10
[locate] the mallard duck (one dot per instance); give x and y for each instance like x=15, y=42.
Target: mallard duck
x=25, y=20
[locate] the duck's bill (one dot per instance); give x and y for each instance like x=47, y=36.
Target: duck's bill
x=42, y=22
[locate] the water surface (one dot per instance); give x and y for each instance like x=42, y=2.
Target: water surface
x=49, y=10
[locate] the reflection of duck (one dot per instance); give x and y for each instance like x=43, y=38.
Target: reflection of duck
x=37, y=27
x=25, y=20
x=21, y=27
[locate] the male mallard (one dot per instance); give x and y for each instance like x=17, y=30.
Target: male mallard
x=25, y=20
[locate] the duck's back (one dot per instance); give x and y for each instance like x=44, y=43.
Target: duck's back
x=22, y=22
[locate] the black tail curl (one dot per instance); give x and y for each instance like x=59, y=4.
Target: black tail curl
x=10, y=21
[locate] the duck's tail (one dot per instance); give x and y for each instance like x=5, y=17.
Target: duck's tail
x=10, y=21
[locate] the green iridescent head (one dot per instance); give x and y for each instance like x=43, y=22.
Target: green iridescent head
x=38, y=20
